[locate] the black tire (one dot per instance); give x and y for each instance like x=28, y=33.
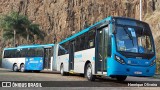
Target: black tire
x=22, y=68
x=15, y=68
x=63, y=73
x=36, y=71
x=121, y=78
x=88, y=73
x=82, y=75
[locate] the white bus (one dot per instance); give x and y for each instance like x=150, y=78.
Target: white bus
x=116, y=47
x=28, y=58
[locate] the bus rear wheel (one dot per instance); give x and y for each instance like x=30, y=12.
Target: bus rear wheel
x=22, y=68
x=88, y=72
x=121, y=78
x=15, y=68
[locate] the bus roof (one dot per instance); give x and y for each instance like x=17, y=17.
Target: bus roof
x=85, y=30
x=9, y=48
x=31, y=46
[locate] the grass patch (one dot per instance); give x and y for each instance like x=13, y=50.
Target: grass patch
x=156, y=76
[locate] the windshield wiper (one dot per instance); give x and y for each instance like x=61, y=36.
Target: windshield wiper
x=129, y=34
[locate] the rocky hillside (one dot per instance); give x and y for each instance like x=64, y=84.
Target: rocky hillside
x=61, y=18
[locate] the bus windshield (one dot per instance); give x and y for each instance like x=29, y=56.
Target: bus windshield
x=133, y=39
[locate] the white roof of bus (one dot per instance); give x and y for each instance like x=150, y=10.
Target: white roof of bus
x=30, y=46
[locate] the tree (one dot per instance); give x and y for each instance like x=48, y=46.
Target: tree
x=32, y=30
x=11, y=24
x=15, y=25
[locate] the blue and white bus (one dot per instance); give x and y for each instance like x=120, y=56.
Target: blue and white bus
x=116, y=47
x=25, y=58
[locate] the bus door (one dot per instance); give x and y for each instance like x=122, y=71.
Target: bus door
x=47, y=58
x=101, y=50
x=71, y=55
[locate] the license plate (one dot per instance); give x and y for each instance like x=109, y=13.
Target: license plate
x=137, y=72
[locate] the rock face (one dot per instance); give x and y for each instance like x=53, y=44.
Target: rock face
x=61, y=18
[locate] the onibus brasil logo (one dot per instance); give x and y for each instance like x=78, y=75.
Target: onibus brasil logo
x=21, y=84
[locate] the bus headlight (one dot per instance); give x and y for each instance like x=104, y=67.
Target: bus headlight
x=153, y=62
x=119, y=59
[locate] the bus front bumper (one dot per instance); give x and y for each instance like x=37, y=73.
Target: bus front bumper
x=137, y=71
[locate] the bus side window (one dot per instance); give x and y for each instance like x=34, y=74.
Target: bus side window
x=39, y=52
x=91, y=43
x=13, y=53
x=24, y=52
x=36, y=52
x=6, y=54
x=83, y=41
x=30, y=51
x=62, y=50
x=77, y=44
x=17, y=53
x=59, y=51
x=66, y=47
x=91, y=39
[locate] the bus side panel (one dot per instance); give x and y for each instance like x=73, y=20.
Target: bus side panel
x=34, y=63
x=19, y=61
x=82, y=57
x=7, y=63
x=66, y=63
x=65, y=60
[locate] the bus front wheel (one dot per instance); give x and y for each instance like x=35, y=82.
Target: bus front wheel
x=121, y=78
x=63, y=73
x=88, y=73
x=15, y=68
x=22, y=68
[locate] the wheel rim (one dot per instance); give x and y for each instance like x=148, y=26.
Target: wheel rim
x=22, y=68
x=62, y=70
x=15, y=68
x=89, y=72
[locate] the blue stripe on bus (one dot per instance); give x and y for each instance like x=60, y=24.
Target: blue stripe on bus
x=78, y=56
x=93, y=58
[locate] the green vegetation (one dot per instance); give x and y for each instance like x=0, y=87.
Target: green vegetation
x=156, y=76
x=15, y=26
x=158, y=63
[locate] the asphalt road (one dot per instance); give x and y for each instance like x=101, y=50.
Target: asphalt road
x=8, y=75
